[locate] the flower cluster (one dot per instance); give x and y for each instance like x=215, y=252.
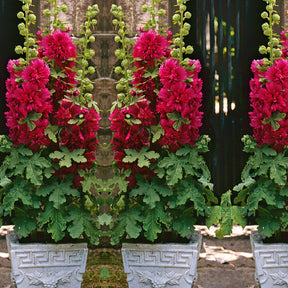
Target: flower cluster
x=40, y=101
x=167, y=97
x=269, y=100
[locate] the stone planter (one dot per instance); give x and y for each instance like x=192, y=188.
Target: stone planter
x=46, y=265
x=162, y=265
x=271, y=262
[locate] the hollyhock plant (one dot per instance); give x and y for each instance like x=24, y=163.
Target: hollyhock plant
x=156, y=141
x=53, y=123
x=262, y=192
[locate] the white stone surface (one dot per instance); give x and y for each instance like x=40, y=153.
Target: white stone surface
x=271, y=262
x=161, y=265
x=46, y=265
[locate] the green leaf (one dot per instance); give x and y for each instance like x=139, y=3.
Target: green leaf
x=4, y=181
x=57, y=226
x=152, y=224
x=24, y=224
x=66, y=157
x=128, y=221
x=104, y=273
x=278, y=166
x=226, y=214
x=81, y=222
x=29, y=120
x=268, y=223
x=51, y=131
x=190, y=192
x=32, y=166
x=184, y=224
x=246, y=183
x=151, y=191
x=104, y=219
x=174, y=168
x=58, y=191
x=179, y=120
x=261, y=191
x=284, y=191
x=215, y=216
x=142, y=157
x=274, y=118
x=157, y=132
x=18, y=190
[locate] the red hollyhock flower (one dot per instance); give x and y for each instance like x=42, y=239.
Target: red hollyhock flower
x=150, y=46
x=171, y=73
x=37, y=73
x=58, y=46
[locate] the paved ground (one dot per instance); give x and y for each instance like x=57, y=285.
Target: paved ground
x=222, y=264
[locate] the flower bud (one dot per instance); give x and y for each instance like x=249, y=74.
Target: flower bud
x=264, y=15
x=94, y=22
x=20, y=15
x=64, y=8
x=162, y=13
x=277, y=53
x=19, y=49
x=176, y=18
x=187, y=26
x=144, y=8
x=33, y=53
x=46, y=12
x=189, y=49
x=91, y=39
x=125, y=63
x=187, y=15
x=183, y=8
x=30, y=41
x=117, y=38
x=25, y=8
x=262, y=49
x=91, y=70
x=89, y=87
x=84, y=63
x=119, y=87
x=32, y=18
x=269, y=8
x=175, y=53
x=118, y=70
x=265, y=26
x=276, y=18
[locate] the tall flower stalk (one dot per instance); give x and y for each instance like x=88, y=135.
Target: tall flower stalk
x=156, y=120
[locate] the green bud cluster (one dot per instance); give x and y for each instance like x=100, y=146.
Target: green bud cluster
x=125, y=69
x=273, y=18
x=179, y=19
x=156, y=15
x=29, y=19
x=87, y=54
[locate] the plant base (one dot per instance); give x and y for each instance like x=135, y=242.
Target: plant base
x=162, y=265
x=271, y=262
x=46, y=265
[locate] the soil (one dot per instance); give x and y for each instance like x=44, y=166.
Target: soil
x=222, y=264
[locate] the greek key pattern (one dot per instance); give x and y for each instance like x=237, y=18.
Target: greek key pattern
x=271, y=259
x=48, y=258
x=159, y=258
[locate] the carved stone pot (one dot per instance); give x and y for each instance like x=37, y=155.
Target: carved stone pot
x=271, y=262
x=39, y=265
x=162, y=265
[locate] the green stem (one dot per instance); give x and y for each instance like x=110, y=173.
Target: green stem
x=27, y=36
x=153, y=14
x=181, y=35
x=271, y=36
x=84, y=58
